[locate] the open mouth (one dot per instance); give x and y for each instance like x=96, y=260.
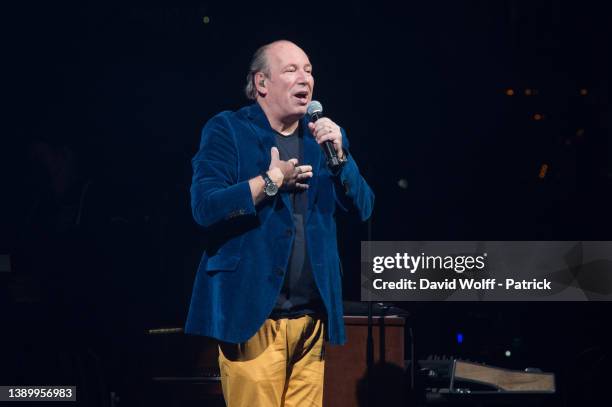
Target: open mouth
x=302, y=96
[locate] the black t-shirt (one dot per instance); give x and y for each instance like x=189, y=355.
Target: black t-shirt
x=299, y=294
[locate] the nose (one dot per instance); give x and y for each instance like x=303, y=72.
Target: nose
x=303, y=77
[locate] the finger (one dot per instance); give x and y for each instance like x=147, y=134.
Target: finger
x=324, y=122
x=325, y=131
x=305, y=175
x=330, y=137
x=301, y=186
x=320, y=134
x=293, y=161
x=274, y=154
x=311, y=126
x=305, y=168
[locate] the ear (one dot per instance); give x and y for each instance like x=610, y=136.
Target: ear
x=260, y=83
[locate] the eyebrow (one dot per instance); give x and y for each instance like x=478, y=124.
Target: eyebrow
x=295, y=65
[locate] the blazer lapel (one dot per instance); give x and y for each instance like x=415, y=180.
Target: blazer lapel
x=312, y=156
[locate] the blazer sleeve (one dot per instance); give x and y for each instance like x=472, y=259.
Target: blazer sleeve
x=217, y=194
x=351, y=189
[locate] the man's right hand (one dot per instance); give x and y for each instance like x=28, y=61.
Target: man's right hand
x=288, y=173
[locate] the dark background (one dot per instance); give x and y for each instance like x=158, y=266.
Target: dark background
x=104, y=105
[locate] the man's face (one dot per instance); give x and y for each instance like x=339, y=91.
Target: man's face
x=289, y=88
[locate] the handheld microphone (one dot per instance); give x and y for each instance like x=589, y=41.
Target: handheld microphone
x=315, y=111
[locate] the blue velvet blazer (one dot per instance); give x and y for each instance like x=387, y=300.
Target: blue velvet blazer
x=242, y=269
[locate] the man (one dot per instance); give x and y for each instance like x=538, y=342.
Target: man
x=269, y=285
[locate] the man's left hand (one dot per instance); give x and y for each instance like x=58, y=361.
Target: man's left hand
x=324, y=129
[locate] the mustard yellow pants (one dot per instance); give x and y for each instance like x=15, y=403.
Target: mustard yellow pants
x=280, y=366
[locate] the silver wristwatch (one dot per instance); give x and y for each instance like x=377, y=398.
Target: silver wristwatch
x=270, y=188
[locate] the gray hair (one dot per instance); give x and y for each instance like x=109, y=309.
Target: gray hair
x=259, y=63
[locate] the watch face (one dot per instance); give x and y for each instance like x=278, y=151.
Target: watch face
x=271, y=189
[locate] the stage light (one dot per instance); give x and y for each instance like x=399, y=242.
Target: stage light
x=538, y=116
x=206, y=19
x=543, y=171
x=459, y=337
x=402, y=183
x=509, y=92
x=528, y=92
x=508, y=353
x=579, y=132
x=584, y=92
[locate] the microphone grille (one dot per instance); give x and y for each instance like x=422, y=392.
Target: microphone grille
x=314, y=107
